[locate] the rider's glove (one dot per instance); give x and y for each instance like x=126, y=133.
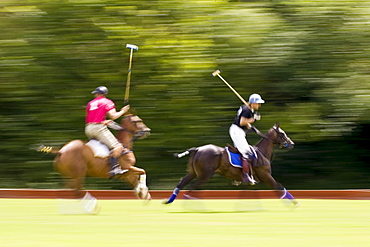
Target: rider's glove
x=257, y=116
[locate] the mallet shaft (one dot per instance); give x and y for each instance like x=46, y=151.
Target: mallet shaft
x=127, y=91
x=217, y=72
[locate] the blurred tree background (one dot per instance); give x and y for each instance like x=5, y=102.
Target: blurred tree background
x=308, y=59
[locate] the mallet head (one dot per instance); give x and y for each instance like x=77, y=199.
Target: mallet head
x=217, y=72
x=134, y=47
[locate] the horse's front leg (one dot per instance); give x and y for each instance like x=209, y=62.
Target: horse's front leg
x=263, y=173
x=128, y=161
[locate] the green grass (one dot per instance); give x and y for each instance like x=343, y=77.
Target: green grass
x=36, y=222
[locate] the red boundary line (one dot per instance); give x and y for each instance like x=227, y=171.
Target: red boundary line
x=204, y=194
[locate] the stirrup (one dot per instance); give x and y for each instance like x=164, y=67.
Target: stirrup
x=250, y=179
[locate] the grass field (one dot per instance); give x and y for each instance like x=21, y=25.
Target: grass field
x=39, y=222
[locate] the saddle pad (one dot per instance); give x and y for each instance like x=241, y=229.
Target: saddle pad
x=234, y=159
x=99, y=149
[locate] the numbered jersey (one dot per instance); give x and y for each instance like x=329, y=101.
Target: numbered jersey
x=96, y=110
x=244, y=111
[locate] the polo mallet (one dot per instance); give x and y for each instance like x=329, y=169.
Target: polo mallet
x=217, y=72
x=127, y=92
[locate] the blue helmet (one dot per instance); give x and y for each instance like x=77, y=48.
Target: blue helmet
x=100, y=90
x=256, y=98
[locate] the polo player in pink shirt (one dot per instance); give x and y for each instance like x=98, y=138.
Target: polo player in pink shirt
x=96, y=126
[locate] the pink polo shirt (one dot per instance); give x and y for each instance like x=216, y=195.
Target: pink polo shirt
x=96, y=110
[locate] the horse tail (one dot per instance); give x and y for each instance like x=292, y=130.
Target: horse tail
x=189, y=151
x=47, y=149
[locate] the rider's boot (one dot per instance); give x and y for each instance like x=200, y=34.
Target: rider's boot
x=115, y=167
x=246, y=170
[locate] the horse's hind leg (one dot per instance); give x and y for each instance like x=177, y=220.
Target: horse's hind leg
x=201, y=179
x=75, y=184
x=179, y=187
x=204, y=168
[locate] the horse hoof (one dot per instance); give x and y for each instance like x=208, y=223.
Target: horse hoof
x=296, y=204
x=148, y=197
x=165, y=201
x=96, y=210
x=291, y=203
x=143, y=193
x=186, y=196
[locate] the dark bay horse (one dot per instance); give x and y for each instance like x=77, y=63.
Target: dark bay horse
x=206, y=160
x=76, y=160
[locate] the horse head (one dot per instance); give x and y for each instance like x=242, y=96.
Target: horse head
x=135, y=126
x=279, y=137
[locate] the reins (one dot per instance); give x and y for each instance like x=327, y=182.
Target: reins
x=116, y=126
x=281, y=144
x=267, y=138
x=135, y=134
x=262, y=135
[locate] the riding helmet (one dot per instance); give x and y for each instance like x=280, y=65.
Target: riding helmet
x=100, y=90
x=256, y=98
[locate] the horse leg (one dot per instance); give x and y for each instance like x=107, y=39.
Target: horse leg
x=75, y=184
x=137, y=179
x=142, y=189
x=127, y=161
x=201, y=165
x=264, y=175
x=135, y=176
x=71, y=164
x=181, y=185
x=204, y=166
x=201, y=179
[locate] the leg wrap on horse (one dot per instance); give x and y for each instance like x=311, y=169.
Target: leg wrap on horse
x=287, y=195
x=141, y=189
x=174, y=195
x=142, y=180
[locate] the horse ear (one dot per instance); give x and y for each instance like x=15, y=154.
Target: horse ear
x=277, y=125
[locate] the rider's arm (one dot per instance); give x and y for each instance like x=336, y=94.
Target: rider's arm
x=246, y=121
x=113, y=114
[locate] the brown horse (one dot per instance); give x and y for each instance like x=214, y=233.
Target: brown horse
x=206, y=160
x=76, y=160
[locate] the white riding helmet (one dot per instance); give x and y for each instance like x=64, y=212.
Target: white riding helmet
x=256, y=98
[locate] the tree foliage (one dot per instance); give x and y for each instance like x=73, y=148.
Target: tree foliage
x=308, y=59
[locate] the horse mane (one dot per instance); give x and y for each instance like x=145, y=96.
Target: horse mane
x=131, y=116
x=267, y=135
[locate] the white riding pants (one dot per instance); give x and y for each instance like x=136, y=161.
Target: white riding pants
x=238, y=136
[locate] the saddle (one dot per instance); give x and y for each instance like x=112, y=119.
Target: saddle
x=236, y=160
x=99, y=149
x=235, y=157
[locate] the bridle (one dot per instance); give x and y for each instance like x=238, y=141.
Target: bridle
x=283, y=144
x=136, y=134
x=139, y=134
